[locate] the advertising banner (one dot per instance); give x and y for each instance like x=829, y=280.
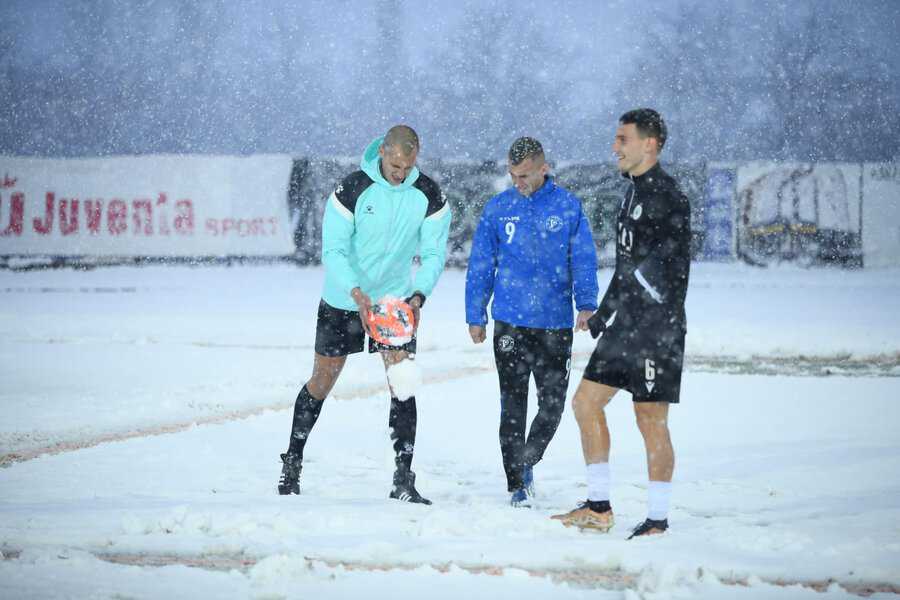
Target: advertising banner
x=145, y=206
x=881, y=214
x=808, y=214
x=718, y=213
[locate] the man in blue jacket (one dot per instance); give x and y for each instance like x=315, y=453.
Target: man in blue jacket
x=376, y=221
x=532, y=249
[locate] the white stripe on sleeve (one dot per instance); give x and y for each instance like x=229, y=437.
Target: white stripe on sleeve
x=650, y=289
x=440, y=213
x=340, y=208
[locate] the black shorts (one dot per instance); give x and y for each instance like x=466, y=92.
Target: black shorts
x=339, y=333
x=647, y=365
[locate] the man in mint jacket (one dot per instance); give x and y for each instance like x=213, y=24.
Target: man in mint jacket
x=375, y=222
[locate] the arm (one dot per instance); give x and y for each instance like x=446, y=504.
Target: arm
x=608, y=308
x=338, y=226
x=606, y=313
x=364, y=305
x=583, y=263
x=672, y=224
x=432, y=249
x=671, y=217
x=481, y=272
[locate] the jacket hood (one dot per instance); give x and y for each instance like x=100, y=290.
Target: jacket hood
x=371, y=166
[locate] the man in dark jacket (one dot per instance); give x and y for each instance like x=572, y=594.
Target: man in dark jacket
x=533, y=248
x=641, y=324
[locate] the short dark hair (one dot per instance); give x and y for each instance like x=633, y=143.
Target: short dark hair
x=525, y=147
x=649, y=123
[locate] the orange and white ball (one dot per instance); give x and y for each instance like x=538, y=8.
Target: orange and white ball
x=391, y=322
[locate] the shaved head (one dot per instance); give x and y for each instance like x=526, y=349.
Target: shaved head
x=398, y=153
x=402, y=138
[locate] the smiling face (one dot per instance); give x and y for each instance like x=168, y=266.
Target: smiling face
x=528, y=175
x=395, y=164
x=635, y=154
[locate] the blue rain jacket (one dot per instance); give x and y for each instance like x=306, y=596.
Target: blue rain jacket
x=532, y=254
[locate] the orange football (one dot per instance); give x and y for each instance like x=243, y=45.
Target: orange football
x=391, y=322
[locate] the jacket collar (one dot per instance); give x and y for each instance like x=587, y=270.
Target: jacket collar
x=541, y=191
x=648, y=177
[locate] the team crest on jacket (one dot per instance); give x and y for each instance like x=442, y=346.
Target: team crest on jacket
x=506, y=343
x=637, y=212
x=554, y=223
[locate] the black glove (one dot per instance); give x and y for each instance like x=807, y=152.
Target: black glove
x=421, y=298
x=596, y=324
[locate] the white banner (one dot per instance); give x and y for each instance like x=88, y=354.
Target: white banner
x=881, y=214
x=145, y=206
x=807, y=214
x=822, y=196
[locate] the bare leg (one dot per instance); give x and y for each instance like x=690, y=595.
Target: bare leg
x=325, y=374
x=589, y=403
x=652, y=420
x=306, y=412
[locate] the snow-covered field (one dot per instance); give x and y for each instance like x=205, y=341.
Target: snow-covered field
x=142, y=411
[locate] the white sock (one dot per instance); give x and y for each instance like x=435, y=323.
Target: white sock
x=598, y=482
x=658, y=494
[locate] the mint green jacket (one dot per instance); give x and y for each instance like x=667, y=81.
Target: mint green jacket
x=372, y=230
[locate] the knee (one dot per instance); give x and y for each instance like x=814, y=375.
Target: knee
x=318, y=388
x=324, y=376
x=587, y=409
x=554, y=408
x=511, y=413
x=320, y=384
x=651, y=424
x=551, y=408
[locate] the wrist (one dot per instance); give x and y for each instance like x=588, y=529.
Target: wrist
x=358, y=296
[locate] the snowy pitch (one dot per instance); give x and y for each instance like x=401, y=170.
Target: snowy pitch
x=142, y=411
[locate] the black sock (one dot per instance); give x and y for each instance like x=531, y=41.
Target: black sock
x=402, y=421
x=306, y=412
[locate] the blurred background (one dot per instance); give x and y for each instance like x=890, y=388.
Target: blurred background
x=783, y=118
x=810, y=80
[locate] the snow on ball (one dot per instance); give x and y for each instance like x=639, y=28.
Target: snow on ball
x=391, y=321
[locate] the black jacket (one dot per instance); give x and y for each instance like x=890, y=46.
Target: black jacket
x=653, y=259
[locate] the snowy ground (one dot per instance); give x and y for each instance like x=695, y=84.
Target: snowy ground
x=142, y=411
